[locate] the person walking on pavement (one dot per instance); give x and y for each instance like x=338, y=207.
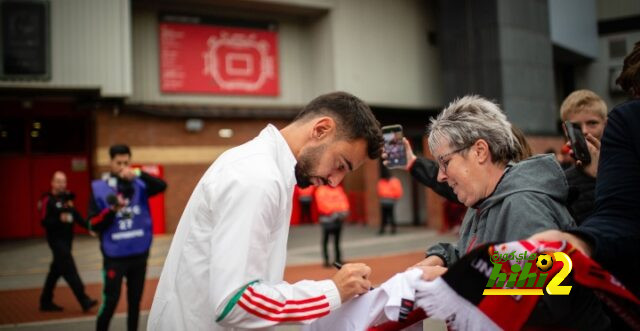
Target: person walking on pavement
x=58, y=216
x=305, y=197
x=119, y=212
x=333, y=209
x=389, y=192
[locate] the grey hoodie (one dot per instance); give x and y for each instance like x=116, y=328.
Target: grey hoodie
x=529, y=198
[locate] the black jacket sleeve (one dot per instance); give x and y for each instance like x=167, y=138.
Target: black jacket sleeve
x=614, y=228
x=51, y=213
x=154, y=185
x=581, y=202
x=78, y=219
x=426, y=172
x=99, y=219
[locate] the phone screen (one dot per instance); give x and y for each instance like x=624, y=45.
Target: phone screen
x=578, y=143
x=394, y=147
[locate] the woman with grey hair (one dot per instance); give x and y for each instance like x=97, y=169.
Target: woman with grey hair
x=475, y=148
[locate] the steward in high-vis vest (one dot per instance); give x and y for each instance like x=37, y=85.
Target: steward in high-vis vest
x=333, y=209
x=119, y=214
x=389, y=191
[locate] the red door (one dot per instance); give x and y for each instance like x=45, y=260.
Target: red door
x=35, y=141
x=14, y=197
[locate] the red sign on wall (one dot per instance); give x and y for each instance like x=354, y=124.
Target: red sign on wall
x=200, y=58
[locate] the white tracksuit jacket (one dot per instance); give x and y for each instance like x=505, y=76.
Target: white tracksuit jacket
x=226, y=262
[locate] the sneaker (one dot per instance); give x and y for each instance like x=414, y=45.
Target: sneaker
x=88, y=304
x=50, y=307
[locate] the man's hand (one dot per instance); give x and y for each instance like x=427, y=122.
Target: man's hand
x=66, y=217
x=120, y=204
x=430, y=273
x=352, y=279
x=593, y=144
x=127, y=173
x=430, y=261
x=556, y=235
x=411, y=157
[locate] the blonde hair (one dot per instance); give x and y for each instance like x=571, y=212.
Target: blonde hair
x=583, y=101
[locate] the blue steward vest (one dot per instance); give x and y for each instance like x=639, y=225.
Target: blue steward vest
x=130, y=234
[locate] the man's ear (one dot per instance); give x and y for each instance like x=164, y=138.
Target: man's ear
x=323, y=127
x=481, y=149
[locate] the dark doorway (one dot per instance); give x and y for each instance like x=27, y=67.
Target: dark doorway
x=38, y=138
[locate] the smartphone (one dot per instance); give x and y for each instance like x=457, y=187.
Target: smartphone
x=394, y=146
x=578, y=143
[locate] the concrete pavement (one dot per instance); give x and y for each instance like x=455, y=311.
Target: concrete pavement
x=24, y=264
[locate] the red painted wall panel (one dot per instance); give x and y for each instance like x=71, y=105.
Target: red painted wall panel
x=201, y=58
x=15, y=192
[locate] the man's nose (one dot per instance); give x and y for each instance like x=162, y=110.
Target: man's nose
x=335, y=179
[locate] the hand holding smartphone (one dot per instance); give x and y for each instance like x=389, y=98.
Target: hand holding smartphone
x=394, y=147
x=578, y=143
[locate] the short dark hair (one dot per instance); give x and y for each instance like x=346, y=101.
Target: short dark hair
x=629, y=78
x=119, y=149
x=354, y=118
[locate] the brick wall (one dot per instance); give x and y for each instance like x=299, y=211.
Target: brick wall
x=165, y=141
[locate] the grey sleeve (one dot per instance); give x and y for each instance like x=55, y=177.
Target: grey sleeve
x=446, y=251
x=527, y=213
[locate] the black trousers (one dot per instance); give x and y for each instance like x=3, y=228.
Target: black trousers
x=331, y=229
x=62, y=266
x=134, y=268
x=305, y=212
x=387, y=218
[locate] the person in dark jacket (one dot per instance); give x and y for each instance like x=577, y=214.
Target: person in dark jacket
x=119, y=212
x=611, y=235
x=58, y=217
x=589, y=111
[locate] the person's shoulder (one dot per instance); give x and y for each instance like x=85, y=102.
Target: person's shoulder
x=252, y=150
x=98, y=182
x=628, y=104
x=534, y=172
x=627, y=109
x=528, y=195
x=245, y=168
x=251, y=164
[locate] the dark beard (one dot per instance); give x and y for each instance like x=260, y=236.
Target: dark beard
x=302, y=179
x=303, y=168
